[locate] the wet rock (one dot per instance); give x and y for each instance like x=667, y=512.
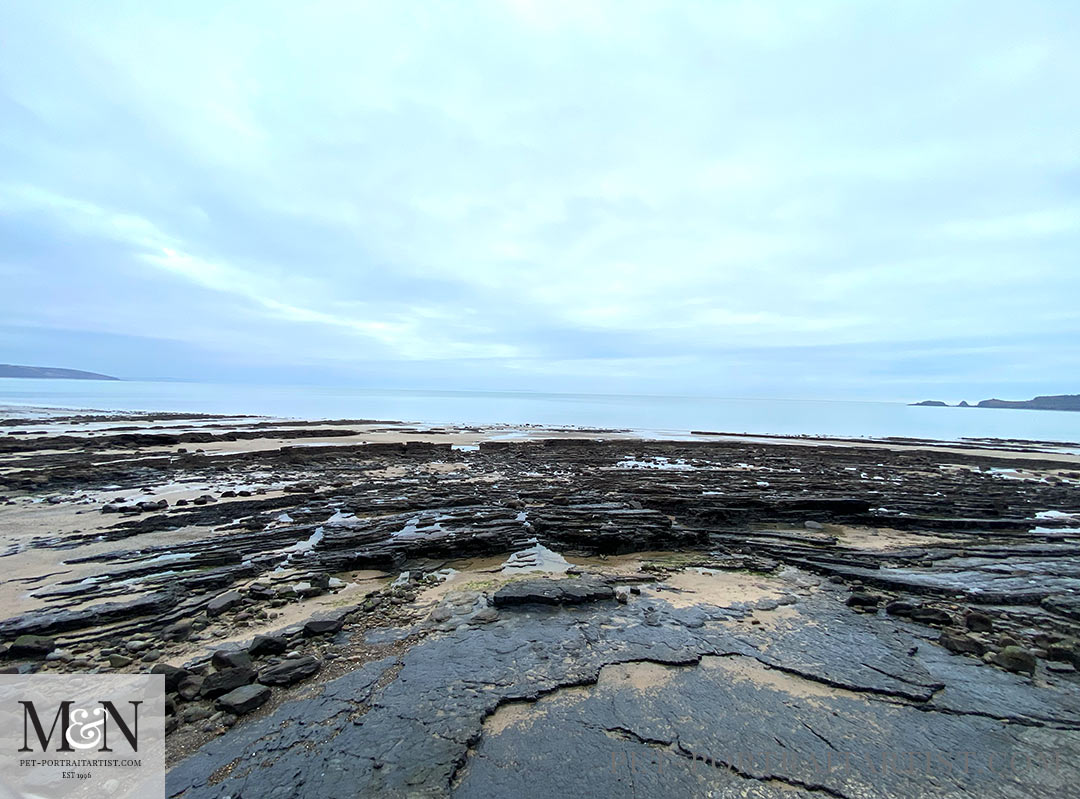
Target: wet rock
x=230, y=659
x=978, y=622
x=859, y=599
x=194, y=713
x=1060, y=667
x=291, y=670
x=31, y=646
x=961, y=643
x=221, y=682
x=174, y=676
x=243, y=699
x=928, y=615
x=261, y=591
x=180, y=631
x=313, y=627
x=552, y=592
x=190, y=686
x=305, y=590
x=263, y=645
x=899, y=608
x=1015, y=658
x=224, y=602
x=1065, y=651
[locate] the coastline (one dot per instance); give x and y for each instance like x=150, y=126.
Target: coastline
x=305, y=557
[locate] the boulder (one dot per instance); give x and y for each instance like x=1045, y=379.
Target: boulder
x=927, y=615
x=174, y=675
x=243, y=699
x=961, y=643
x=190, y=687
x=31, y=646
x=221, y=682
x=978, y=622
x=899, y=608
x=224, y=602
x=178, y=631
x=859, y=599
x=230, y=659
x=267, y=645
x=1015, y=658
x=291, y=670
x=322, y=626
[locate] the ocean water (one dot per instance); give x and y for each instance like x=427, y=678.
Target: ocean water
x=659, y=414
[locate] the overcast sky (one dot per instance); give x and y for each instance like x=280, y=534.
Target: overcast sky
x=799, y=199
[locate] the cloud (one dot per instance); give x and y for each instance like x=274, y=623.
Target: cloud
x=577, y=193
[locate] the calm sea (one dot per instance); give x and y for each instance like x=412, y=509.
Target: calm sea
x=647, y=413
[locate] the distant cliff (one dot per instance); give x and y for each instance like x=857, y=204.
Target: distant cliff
x=8, y=370
x=1055, y=402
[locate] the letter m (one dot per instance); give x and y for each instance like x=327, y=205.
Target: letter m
x=30, y=716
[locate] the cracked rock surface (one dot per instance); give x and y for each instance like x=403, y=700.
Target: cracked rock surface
x=817, y=700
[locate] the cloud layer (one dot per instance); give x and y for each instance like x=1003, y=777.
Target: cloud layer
x=790, y=199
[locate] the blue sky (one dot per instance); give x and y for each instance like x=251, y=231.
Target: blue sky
x=798, y=199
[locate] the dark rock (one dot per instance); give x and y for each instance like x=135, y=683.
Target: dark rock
x=243, y=699
x=1015, y=658
x=190, y=687
x=264, y=645
x=862, y=600
x=224, y=602
x=978, y=622
x=174, y=676
x=290, y=671
x=552, y=592
x=230, y=659
x=221, y=682
x=899, y=608
x=31, y=646
x=177, y=632
x=927, y=615
x=960, y=643
x=322, y=626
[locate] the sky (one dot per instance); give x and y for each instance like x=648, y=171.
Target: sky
x=779, y=199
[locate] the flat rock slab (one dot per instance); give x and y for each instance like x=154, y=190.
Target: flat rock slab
x=244, y=699
x=291, y=670
x=594, y=701
x=543, y=591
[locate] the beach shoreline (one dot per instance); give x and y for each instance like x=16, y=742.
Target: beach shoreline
x=260, y=562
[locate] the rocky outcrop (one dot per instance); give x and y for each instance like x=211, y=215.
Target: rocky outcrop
x=543, y=591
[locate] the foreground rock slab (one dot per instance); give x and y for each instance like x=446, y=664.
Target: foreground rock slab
x=816, y=699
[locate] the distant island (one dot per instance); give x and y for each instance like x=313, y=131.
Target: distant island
x=1055, y=402
x=9, y=370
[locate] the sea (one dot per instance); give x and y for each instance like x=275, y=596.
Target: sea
x=651, y=414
